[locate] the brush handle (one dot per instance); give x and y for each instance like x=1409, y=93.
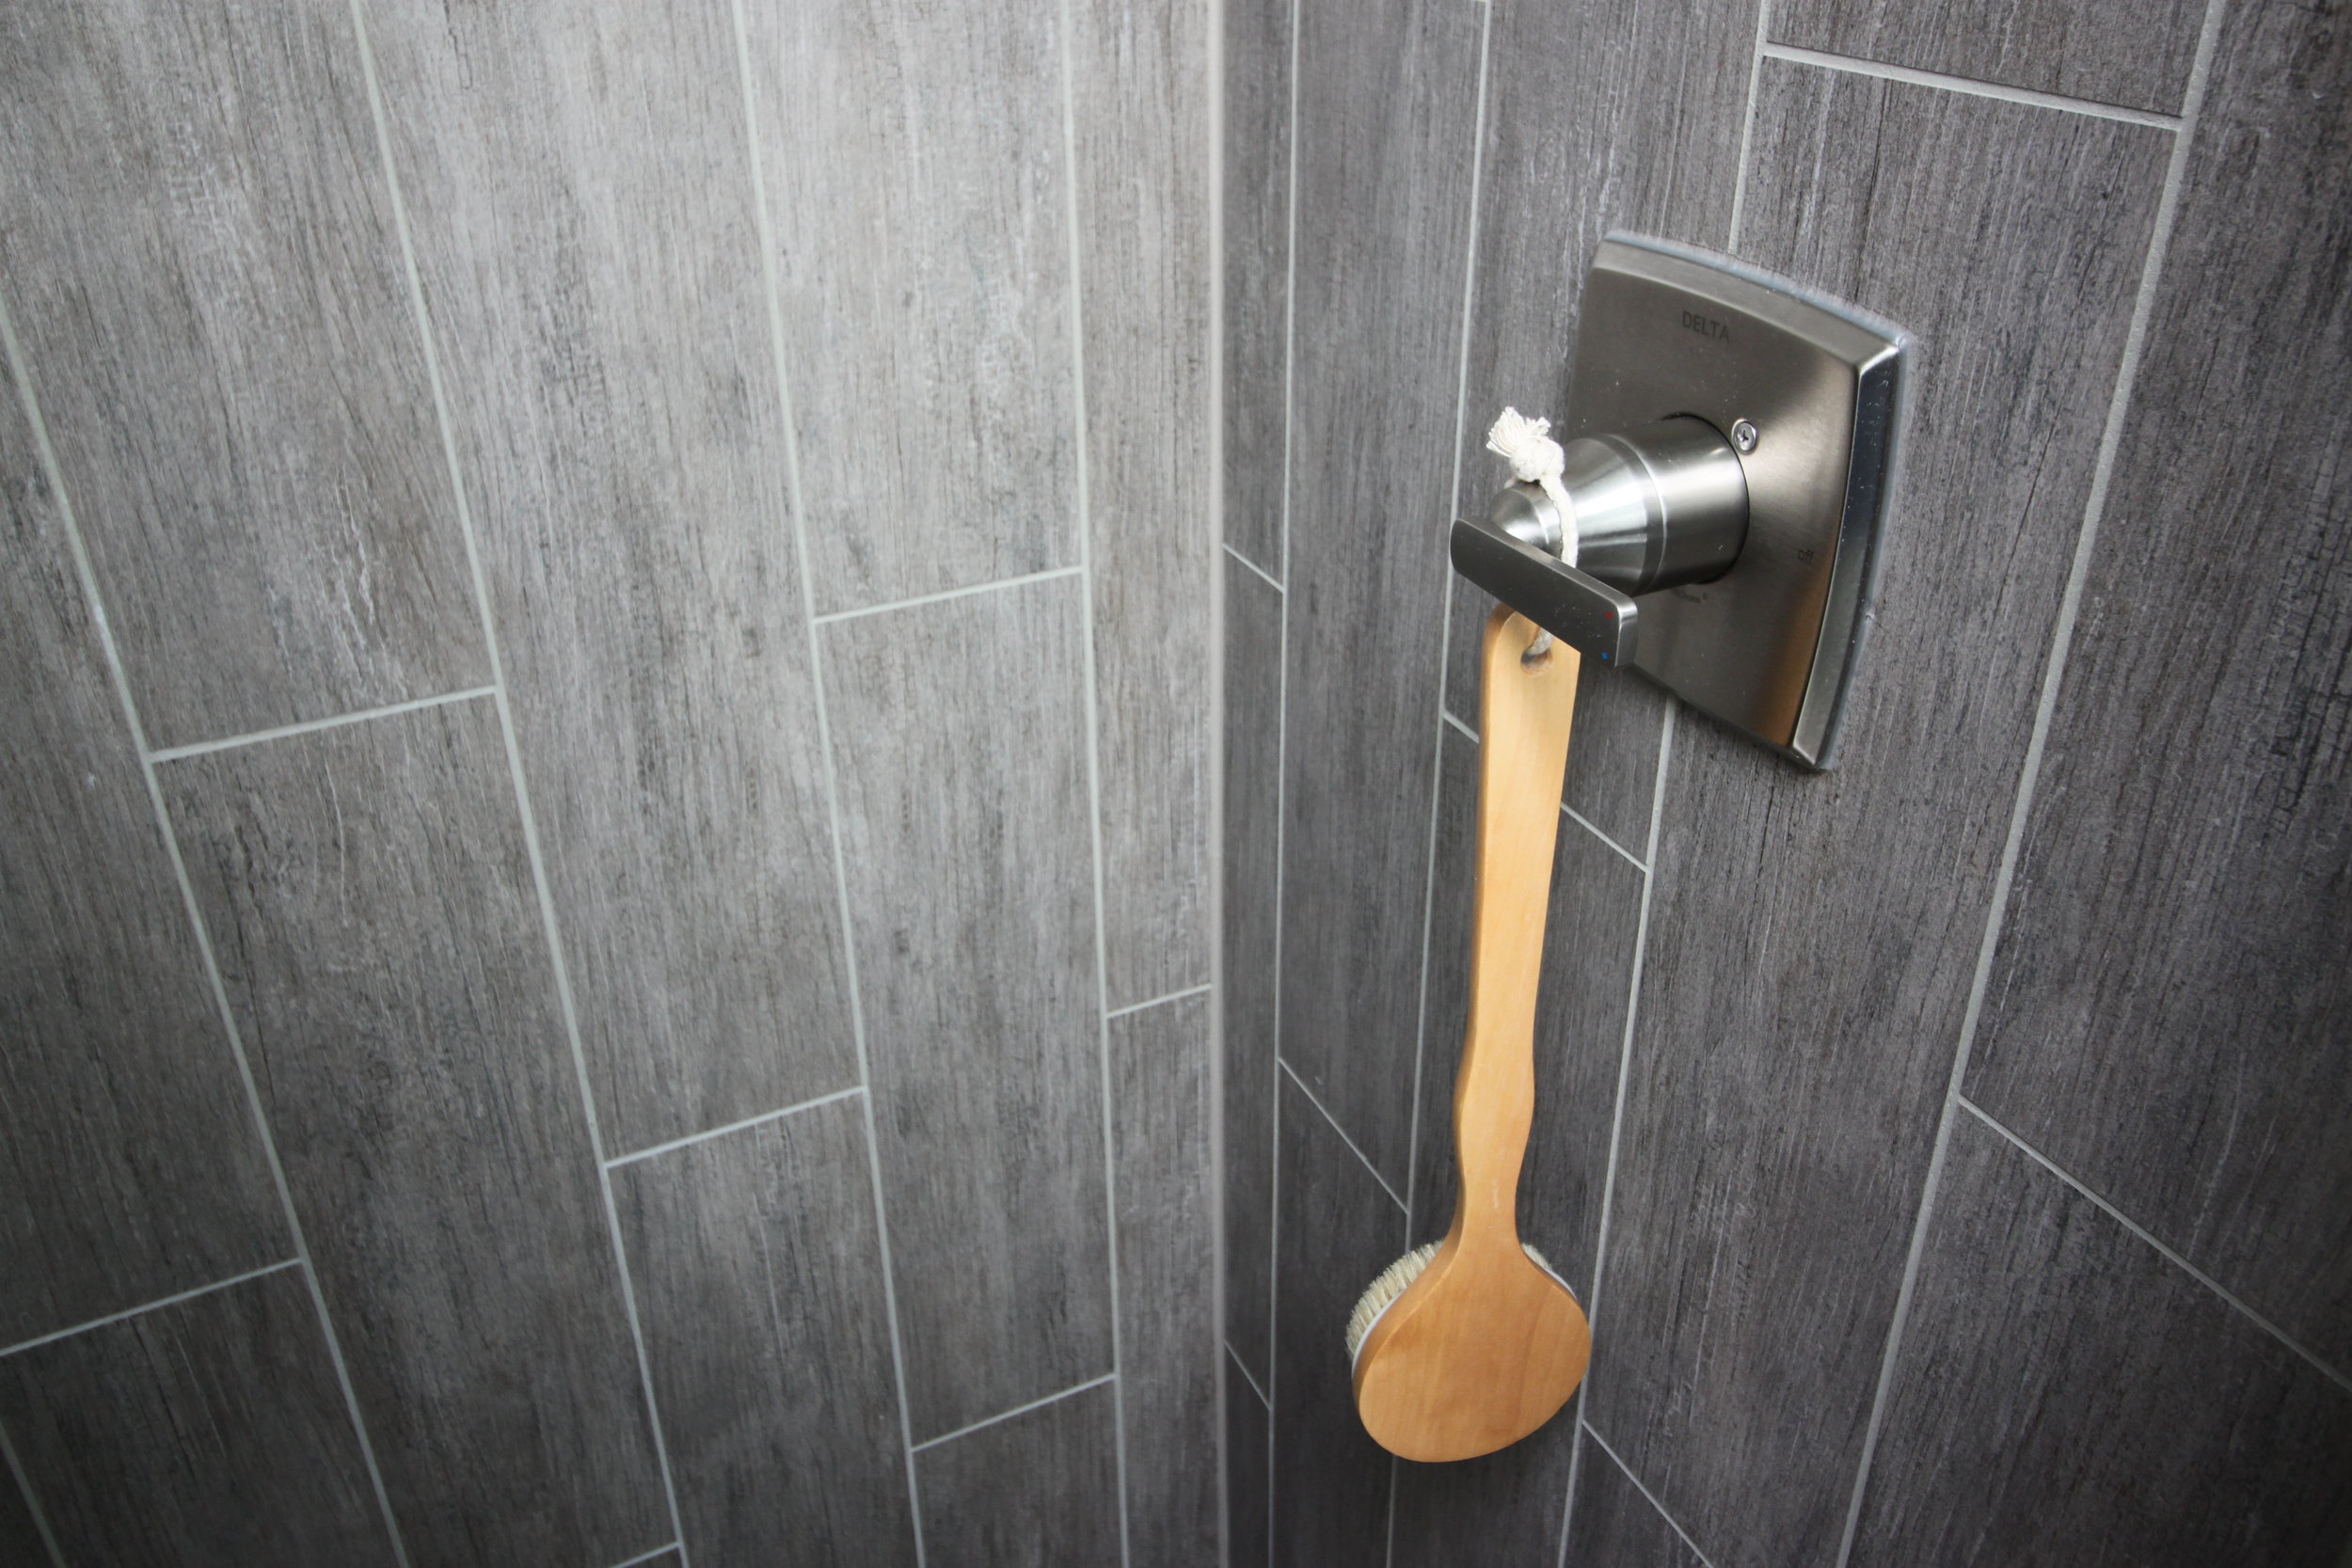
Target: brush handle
x=1524, y=715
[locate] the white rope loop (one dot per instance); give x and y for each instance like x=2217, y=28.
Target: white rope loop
x=1535, y=458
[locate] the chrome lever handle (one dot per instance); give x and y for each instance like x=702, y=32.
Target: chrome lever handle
x=1584, y=613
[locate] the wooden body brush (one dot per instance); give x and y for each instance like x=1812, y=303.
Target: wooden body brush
x=1470, y=1344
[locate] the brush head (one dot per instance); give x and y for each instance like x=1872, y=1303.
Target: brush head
x=1397, y=1279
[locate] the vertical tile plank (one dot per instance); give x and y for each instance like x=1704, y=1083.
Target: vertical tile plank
x=1651, y=144
x=130, y=1166
x=2166, y=1017
x=1167, y=1280
x=1253, y=739
x=914, y=162
x=1613, y=1525
x=1038, y=1489
x=21, y=1540
x=2067, y=1395
x=208, y=1432
x=1246, y=1421
x=1138, y=79
x=1389, y=97
x=377, y=927
x=760, y=1283
x=203, y=270
x=1339, y=1231
x=579, y=183
x=1257, y=197
x=961, y=742
x=2135, y=56
x=1812, y=937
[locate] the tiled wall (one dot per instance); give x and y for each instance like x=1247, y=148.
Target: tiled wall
x=1955, y=1149
x=606, y=669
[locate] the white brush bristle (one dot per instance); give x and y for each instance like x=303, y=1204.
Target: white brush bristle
x=1397, y=1279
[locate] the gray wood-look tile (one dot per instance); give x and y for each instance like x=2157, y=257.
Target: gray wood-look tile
x=1385, y=128
x=1139, y=108
x=1613, y=1525
x=1246, y=1477
x=211, y=1431
x=22, y=1544
x=2166, y=1017
x=759, y=1286
x=1339, y=1231
x=2067, y=1395
x=1257, y=198
x=1168, y=1357
x=1511, y=1501
x=373, y=908
x=961, y=739
x=579, y=184
x=204, y=273
x=2135, y=56
x=1038, y=1489
x=913, y=155
x=1253, y=719
x=130, y=1166
x=1812, y=937
x=1651, y=145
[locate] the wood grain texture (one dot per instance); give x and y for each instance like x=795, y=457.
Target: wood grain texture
x=2067, y=1395
x=1169, y=1356
x=1612, y=1525
x=130, y=1166
x=2135, y=56
x=203, y=270
x=1598, y=117
x=1812, y=937
x=373, y=908
x=2166, y=1017
x=1257, y=199
x=21, y=1540
x=1253, y=720
x=579, y=183
x=1248, y=1521
x=1038, y=1489
x=1512, y=1500
x=961, y=740
x=1389, y=94
x=759, y=1285
x=208, y=1432
x=1337, y=1232
x=913, y=155
x=1139, y=107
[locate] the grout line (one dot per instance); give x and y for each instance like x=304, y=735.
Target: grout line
x=1162, y=1001
x=1016, y=1410
x=1264, y=575
x=32, y=1502
x=1293, y=1073
x=2340, y=1379
x=1585, y=1428
x=1459, y=725
x=1236, y=1358
x=666, y=1548
x=1852, y=66
x=1747, y=125
x=1093, y=692
x=1583, y=821
x=764, y=226
x=88, y=577
x=1281, y=780
x=550, y=929
x=944, y=595
x=760, y=1120
x=2029, y=771
x=1616, y=1113
x=1445, y=635
x=1213, y=86
x=145, y=1307
x=198, y=749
